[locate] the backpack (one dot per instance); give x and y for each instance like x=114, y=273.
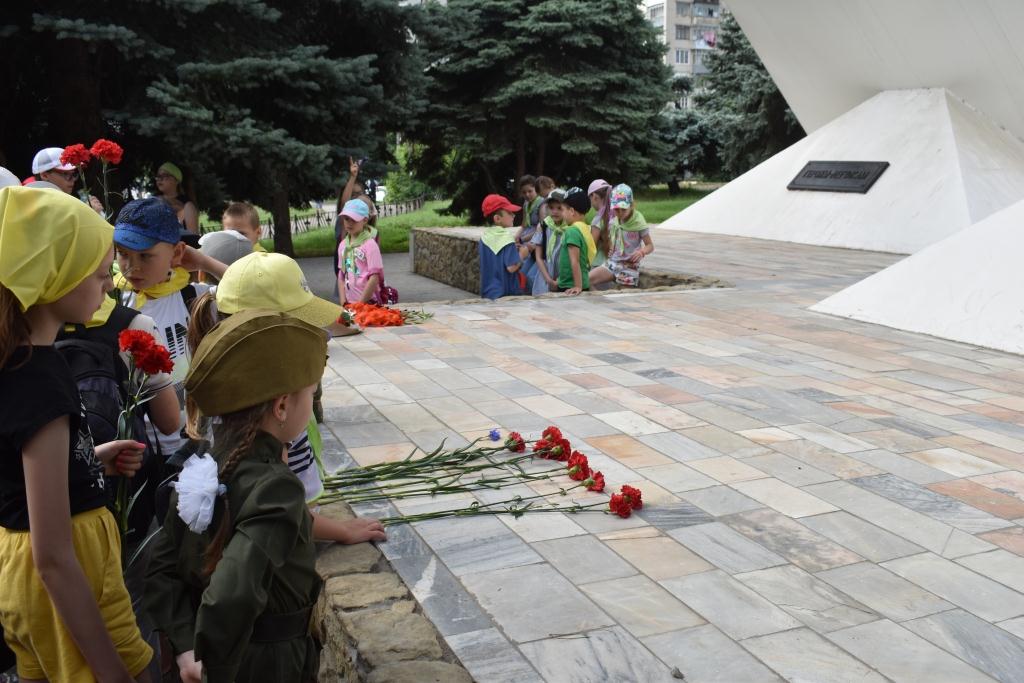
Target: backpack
x=387, y=295
x=101, y=376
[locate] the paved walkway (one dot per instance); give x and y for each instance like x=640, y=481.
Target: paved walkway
x=825, y=500
x=412, y=288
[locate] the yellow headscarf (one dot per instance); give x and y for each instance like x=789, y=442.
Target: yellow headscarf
x=49, y=242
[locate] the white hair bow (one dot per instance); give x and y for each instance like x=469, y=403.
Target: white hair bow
x=198, y=488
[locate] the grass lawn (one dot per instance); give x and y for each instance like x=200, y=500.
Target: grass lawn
x=655, y=203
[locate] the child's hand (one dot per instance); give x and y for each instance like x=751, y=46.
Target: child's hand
x=552, y=282
x=353, y=167
x=636, y=257
x=573, y=291
x=96, y=204
x=362, y=529
x=524, y=253
x=190, y=670
x=123, y=457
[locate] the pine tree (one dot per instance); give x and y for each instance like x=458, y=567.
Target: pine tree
x=744, y=104
x=567, y=88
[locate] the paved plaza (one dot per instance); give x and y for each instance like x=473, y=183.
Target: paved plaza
x=825, y=500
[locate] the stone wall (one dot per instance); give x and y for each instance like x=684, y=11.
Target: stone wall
x=448, y=255
x=371, y=628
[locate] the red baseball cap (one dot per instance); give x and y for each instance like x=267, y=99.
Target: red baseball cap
x=495, y=202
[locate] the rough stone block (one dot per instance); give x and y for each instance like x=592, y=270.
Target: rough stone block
x=387, y=636
x=338, y=559
x=356, y=591
x=420, y=672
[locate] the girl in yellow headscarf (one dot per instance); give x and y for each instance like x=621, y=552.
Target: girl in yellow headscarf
x=64, y=608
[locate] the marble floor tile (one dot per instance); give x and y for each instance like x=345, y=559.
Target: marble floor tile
x=727, y=470
x=516, y=389
x=473, y=544
x=584, y=426
x=659, y=557
x=902, y=466
x=720, y=500
x=977, y=642
x=837, y=464
x=678, y=447
x=641, y=606
x=943, y=508
x=339, y=417
x=383, y=394
x=444, y=600
x=372, y=455
x=410, y=418
x=895, y=441
x=802, y=655
x=544, y=527
x=780, y=496
x=903, y=656
x=672, y=515
x=601, y=524
x=982, y=497
x=548, y=406
x=516, y=597
x=1001, y=565
x=584, y=559
x=729, y=605
x=955, y=462
x=490, y=658
x=721, y=416
x=975, y=593
x=808, y=599
x=789, y=470
x=886, y=593
x=628, y=451
x=725, y=548
x=705, y=655
x=676, y=477
x=630, y=423
x=924, y=531
x=829, y=438
x=768, y=435
x=1014, y=626
x=603, y=655
x=1011, y=539
x=723, y=441
x=863, y=538
x=790, y=539
x=1011, y=483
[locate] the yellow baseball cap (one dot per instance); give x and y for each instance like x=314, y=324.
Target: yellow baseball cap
x=272, y=282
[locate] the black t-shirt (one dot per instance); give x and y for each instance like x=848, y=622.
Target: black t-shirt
x=31, y=396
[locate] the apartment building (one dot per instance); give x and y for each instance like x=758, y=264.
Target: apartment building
x=690, y=32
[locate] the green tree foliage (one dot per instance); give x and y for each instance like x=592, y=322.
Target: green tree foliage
x=566, y=88
x=694, y=143
x=260, y=100
x=743, y=104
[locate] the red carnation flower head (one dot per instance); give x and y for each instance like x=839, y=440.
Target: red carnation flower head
x=541, y=447
x=133, y=341
x=579, y=468
x=595, y=482
x=552, y=433
x=154, y=360
x=633, y=496
x=76, y=155
x=561, y=450
x=107, y=151
x=620, y=506
x=515, y=442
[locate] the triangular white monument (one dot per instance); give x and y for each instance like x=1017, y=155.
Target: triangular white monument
x=950, y=166
x=966, y=288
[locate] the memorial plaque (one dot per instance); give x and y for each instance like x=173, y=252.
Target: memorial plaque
x=838, y=176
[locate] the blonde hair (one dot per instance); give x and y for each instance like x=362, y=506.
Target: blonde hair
x=244, y=211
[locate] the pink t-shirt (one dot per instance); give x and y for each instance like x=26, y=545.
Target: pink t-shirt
x=363, y=262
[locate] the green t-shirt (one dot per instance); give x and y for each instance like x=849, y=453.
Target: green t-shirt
x=574, y=238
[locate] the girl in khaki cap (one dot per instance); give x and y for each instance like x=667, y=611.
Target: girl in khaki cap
x=233, y=579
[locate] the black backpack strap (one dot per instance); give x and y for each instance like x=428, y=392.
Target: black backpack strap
x=189, y=295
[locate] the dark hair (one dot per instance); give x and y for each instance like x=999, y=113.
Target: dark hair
x=14, y=328
x=527, y=180
x=543, y=182
x=244, y=211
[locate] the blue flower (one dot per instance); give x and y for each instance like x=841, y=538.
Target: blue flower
x=494, y=434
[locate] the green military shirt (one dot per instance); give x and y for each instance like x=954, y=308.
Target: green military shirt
x=268, y=568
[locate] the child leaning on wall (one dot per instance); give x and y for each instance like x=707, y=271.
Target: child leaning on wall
x=500, y=260
x=578, y=248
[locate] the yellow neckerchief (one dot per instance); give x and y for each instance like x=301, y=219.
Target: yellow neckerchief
x=588, y=238
x=177, y=282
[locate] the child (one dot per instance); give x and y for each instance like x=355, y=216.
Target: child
x=578, y=248
x=275, y=282
x=362, y=267
x=154, y=279
x=598, y=193
x=500, y=261
x=547, y=243
x=531, y=221
x=243, y=218
x=233, y=579
x=179, y=195
x=544, y=186
x=630, y=242
x=64, y=607
x=224, y=246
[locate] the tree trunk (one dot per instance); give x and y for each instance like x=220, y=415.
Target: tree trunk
x=673, y=186
x=281, y=211
x=520, y=153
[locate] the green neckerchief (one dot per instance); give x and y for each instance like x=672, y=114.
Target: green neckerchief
x=636, y=223
x=497, y=238
x=557, y=229
x=528, y=210
x=351, y=244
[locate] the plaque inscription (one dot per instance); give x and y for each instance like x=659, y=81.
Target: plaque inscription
x=838, y=176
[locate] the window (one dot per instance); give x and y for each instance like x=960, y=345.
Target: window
x=657, y=12
x=682, y=9
x=682, y=32
x=682, y=56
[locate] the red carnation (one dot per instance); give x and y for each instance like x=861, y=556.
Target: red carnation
x=579, y=468
x=76, y=155
x=561, y=450
x=133, y=341
x=154, y=360
x=620, y=506
x=552, y=433
x=515, y=442
x=595, y=482
x=107, y=151
x=633, y=496
x=541, y=447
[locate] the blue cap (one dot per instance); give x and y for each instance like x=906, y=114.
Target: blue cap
x=144, y=222
x=356, y=209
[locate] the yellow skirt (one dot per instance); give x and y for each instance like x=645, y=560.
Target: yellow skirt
x=32, y=627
